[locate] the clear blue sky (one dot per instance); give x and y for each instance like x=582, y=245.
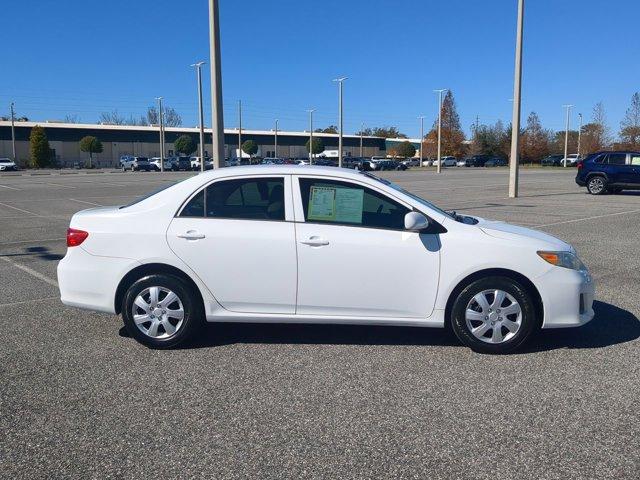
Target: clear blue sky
x=86, y=56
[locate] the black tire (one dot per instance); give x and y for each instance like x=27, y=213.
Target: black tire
x=597, y=185
x=192, y=320
x=528, y=321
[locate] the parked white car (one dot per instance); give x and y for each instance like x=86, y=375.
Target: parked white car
x=447, y=162
x=7, y=164
x=572, y=160
x=284, y=244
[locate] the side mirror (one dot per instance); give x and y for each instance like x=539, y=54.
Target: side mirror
x=415, y=221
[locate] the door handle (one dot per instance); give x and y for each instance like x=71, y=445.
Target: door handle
x=315, y=241
x=191, y=235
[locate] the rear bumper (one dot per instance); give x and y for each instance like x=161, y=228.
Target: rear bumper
x=89, y=281
x=567, y=296
x=580, y=182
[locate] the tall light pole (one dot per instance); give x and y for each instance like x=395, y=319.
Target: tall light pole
x=515, y=120
x=198, y=66
x=275, y=141
x=160, y=125
x=310, y=136
x=439, y=92
x=361, y=144
x=566, y=135
x=421, y=137
x=340, y=81
x=240, y=131
x=217, y=120
x=579, y=133
x=13, y=133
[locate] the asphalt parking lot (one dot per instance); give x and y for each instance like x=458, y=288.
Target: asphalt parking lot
x=78, y=398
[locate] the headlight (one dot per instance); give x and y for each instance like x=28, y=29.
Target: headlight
x=563, y=259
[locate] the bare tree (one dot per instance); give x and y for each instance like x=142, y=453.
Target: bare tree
x=630, y=125
x=595, y=134
x=112, y=118
x=71, y=118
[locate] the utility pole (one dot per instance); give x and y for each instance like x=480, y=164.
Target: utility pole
x=361, y=145
x=13, y=133
x=340, y=81
x=515, y=120
x=275, y=141
x=198, y=66
x=579, y=133
x=217, y=119
x=566, y=135
x=311, y=136
x=421, y=137
x=439, y=92
x=160, y=125
x=240, y=132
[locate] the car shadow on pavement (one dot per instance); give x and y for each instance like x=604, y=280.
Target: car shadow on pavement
x=42, y=253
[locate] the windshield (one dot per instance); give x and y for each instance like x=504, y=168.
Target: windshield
x=409, y=194
x=5, y=160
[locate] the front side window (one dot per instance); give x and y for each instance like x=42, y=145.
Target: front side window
x=251, y=199
x=329, y=201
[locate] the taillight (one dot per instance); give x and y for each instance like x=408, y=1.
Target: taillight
x=580, y=164
x=76, y=237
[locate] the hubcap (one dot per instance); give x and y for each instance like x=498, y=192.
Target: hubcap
x=596, y=185
x=493, y=316
x=158, y=312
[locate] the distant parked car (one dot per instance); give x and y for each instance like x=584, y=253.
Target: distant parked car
x=6, y=164
x=609, y=172
x=390, y=165
x=135, y=164
x=571, y=160
x=496, y=162
x=447, y=161
x=552, y=161
x=155, y=164
x=411, y=162
x=195, y=163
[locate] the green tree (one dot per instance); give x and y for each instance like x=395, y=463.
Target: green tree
x=249, y=147
x=184, y=144
x=404, y=149
x=91, y=145
x=318, y=146
x=329, y=129
x=452, y=135
x=630, y=125
x=39, y=148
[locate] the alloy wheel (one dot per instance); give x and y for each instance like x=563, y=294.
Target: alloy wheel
x=596, y=185
x=493, y=316
x=158, y=312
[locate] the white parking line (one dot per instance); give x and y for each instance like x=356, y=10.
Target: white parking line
x=35, y=300
x=10, y=188
x=32, y=272
x=590, y=218
x=59, y=185
x=19, y=209
x=88, y=203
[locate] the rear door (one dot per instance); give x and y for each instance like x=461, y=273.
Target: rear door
x=618, y=171
x=634, y=164
x=237, y=235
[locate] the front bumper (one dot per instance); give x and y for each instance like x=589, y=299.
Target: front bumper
x=567, y=296
x=89, y=281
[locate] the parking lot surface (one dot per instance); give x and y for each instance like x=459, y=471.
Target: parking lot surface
x=78, y=398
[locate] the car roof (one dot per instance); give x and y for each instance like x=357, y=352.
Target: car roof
x=282, y=170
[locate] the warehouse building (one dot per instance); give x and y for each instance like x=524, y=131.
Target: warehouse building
x=119, y=140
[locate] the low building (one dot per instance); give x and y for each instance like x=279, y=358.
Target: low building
x=119, y=140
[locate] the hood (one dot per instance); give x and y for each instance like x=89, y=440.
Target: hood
x=507, y=231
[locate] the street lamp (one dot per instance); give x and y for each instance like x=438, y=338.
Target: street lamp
x=217, y=120
x=13, y=133
x=160, y=125
x=361, y=144
x=566, y=135
x=240, y=131
x=340, y=81
x=439, y=92
x=275, y=141
x=421, y=136
x=515, y=120
x=198, y=66
x=310, y=136
x=579, y=133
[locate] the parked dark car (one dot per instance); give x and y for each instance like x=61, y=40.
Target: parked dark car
x=181, y=163
x=552, y=161
x=364, y=165
x=609, y=172
x=479, y=160
x=495, y=162
x=391, y=165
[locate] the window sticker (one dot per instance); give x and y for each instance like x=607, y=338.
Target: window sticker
x=322, y=204
x=349, y=205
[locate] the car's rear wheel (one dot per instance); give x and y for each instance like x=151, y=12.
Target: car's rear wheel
x=493, y=315
x=160, y=311
x=597, y=185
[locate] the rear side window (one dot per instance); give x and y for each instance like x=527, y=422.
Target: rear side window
x=251, y=199
x=617, y=158
x=635, y=159
x=328, y=201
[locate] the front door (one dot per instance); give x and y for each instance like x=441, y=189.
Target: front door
x=354, y=256
x=238, y=236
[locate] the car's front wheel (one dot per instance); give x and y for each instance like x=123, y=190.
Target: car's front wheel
x=160, y=311
x=597, y=185
x=493, y=315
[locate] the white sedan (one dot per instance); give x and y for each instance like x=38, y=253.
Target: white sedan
x=447, y=162
x=316, y=245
